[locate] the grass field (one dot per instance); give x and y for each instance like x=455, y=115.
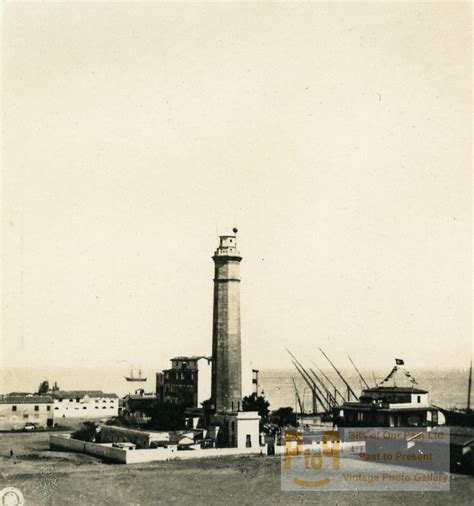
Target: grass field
x=57, y=478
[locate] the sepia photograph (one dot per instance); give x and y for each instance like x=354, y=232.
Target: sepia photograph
x=236, y=248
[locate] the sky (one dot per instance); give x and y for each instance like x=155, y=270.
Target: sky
x=336, y=137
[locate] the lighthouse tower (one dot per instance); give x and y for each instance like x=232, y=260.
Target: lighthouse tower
x=226, y=394
x=230, y=425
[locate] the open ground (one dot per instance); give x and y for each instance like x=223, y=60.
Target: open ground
x=60, y=478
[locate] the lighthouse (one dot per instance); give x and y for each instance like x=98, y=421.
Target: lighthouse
x=229, y=425
x=226, y=390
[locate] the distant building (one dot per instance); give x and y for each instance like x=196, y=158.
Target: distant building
x=179, y=385
x=138, y=405
x=17, y=411
x=84, y=404
x=395, y=402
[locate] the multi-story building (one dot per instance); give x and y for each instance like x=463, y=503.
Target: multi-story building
x=179, y=385
x=18, y=411
x=84, y=404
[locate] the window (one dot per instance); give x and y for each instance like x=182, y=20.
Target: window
x=418, y=399
x=60, y=400
x=37, y=408
x=103, y=407
x=248, y=441
x=56, y=407
x=84, y=407
x=48, y=408
x=13, y=408
x=25, y=417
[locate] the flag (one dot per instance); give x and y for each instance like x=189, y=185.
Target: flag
x=399, y=361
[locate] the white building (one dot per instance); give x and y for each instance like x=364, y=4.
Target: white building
x=17, y=411
x=84, y=404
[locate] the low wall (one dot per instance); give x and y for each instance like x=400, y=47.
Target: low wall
x=120, y=455
x=102, y=451
x=61, y=442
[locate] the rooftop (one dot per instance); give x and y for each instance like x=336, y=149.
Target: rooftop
x=398, y=377
x=26, y=399
x=186, y=358
x=395, y=390
x=79, y=394
x=147, y=397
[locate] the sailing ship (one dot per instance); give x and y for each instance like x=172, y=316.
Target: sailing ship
x=135, y=378
x=461, y=417
x=322, y=398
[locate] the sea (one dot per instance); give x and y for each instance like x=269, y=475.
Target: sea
x=447, y=387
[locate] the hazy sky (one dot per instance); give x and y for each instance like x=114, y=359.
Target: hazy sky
x=337, y=137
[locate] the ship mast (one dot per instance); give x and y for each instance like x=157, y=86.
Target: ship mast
x=349, y=389
x=336, y=391
x=330, y=398
x=298, y=398
x=469, y=388
x=310, y=382
x=358, y=372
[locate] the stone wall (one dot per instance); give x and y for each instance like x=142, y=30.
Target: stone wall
x=119, y=455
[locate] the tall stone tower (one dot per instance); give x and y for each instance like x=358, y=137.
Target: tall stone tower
x=226, y=395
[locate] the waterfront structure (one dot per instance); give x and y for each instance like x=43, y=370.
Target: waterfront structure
x=84, y=404
x=226, y=388
x=233, y=427
x=18, y=411
x=395, y=402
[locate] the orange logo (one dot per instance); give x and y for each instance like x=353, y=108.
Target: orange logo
x=313, y=459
